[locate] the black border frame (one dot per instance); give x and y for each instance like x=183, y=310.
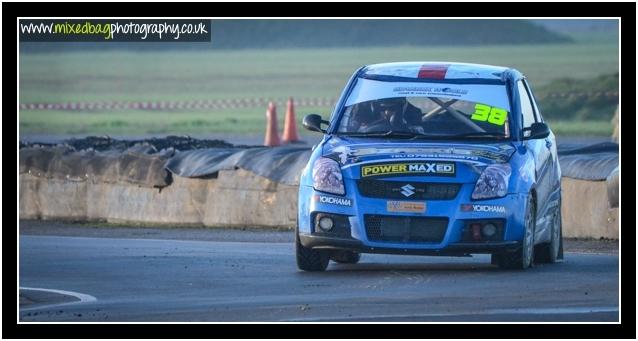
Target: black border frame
x=627, y=328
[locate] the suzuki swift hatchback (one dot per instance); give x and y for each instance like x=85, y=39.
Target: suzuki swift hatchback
x=431, y=159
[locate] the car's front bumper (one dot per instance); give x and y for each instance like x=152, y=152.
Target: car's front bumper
x=453, y=249
x=452, y=243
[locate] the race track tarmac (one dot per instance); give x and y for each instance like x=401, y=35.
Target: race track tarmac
x=115, y=279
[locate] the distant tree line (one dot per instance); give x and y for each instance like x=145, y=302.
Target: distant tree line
x=580, y=99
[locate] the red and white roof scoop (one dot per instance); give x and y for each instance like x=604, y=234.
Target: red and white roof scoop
x=436, y=70
x=433, y=71
x=407, y=69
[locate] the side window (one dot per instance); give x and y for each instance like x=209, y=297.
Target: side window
x=526, y=106
x=539, y=117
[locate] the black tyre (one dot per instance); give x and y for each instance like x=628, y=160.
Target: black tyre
x=550, y=252
x=309, y=259
x=522, y=258
x=346, y=257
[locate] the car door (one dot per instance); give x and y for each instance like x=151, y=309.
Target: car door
x=550, y=140
x=541, y=152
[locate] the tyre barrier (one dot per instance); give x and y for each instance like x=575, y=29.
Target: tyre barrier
x=235, y=198
x=238, y=197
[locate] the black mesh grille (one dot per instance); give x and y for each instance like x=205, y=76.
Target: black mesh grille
x=405, y=229
x=393, y=190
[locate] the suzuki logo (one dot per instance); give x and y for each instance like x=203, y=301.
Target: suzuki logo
x=407, y=190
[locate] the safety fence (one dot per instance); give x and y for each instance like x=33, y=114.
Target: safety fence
x=223, y=104
x=219, y=104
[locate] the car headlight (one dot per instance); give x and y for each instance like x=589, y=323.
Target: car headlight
x=493, y=182
x=326, y=176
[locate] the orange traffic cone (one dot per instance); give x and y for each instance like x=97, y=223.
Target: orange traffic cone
x=272, y=137
x=290, y=126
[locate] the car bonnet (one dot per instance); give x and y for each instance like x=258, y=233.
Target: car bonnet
x=357, y=151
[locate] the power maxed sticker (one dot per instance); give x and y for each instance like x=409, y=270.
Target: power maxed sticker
x=409, y=168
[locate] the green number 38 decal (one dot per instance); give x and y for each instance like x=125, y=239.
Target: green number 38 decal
x=490, y=114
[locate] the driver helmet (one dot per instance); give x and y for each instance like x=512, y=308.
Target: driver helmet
x=389, y=106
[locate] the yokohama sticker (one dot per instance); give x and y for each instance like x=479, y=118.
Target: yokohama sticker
x=483, y=208
x=324, y=199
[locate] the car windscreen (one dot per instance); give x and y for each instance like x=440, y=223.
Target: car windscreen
x=436, y=110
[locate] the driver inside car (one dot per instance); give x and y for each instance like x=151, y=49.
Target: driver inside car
x=387, y=114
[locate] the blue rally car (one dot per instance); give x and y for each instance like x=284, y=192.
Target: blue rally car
x=426, y=158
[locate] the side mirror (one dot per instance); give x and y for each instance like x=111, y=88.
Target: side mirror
x=536, y=131
x=313, y=122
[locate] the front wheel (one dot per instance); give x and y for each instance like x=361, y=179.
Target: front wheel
x=309, y=259
x=523, y=257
